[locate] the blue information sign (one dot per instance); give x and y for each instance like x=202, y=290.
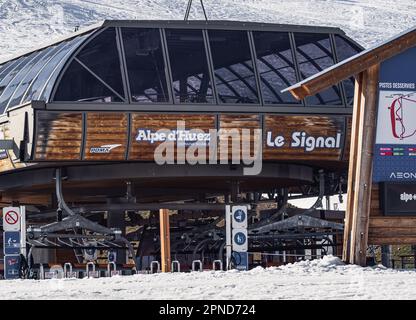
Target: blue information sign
x=239, y=215
x=240, y=238
x=395, y=149
x=240, y=260
x=11, y=242
x=11, y=266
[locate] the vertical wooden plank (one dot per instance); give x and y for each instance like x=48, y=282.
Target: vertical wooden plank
x=352, y=166
x=165, y=240
x=364, y=167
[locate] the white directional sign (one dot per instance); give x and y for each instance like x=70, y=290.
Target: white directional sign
x=239, y=217
x=11, y=219
x=240, y=240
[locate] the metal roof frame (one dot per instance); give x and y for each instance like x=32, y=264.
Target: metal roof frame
x=200, y=24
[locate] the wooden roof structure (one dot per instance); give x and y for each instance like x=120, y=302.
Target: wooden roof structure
x=360, y=227
x=354, y=65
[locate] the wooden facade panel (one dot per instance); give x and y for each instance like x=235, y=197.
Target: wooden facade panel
x=388, y=229
x=306, y=137
x=144, y=126
x=231, y=134
x=58, y=136
x=106, y=136
x=298, y=137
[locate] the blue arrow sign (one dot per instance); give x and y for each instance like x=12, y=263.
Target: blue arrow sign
x=11, y=242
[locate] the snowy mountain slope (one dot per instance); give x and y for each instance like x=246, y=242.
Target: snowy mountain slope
x=25, y=24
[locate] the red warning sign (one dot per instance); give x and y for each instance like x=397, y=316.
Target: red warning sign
x=11, y=219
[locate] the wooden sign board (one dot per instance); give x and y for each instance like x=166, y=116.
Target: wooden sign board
x=95, y=136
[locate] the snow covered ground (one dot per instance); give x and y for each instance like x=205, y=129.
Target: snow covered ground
x=326, y=278
x=28, y=23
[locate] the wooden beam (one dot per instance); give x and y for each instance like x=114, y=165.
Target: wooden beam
x=165, y=240
x=359, y=198
x=352, y=166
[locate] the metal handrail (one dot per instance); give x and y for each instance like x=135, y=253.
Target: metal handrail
x=176, y=262
x=215, y=263
x=65, y=269
x=87, y=268
x=155, y=263
x=194, y=263
x=111, y=263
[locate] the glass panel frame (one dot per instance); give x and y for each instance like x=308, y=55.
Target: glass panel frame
x=160, y=62
x=285, y=59
x=18, y=95
x=229, y=74
x=36, y=86
x=341, y=55
x=48, y=88
x=303, y=57
x=9, y=91
x=174, y=34
x=86, y=67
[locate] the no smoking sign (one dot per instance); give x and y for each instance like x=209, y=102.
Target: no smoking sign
x=11, y=219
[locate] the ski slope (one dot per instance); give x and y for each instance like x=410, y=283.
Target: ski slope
x=326, y=278
x=25, y=24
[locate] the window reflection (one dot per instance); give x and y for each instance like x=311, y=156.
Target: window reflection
x=233, y=67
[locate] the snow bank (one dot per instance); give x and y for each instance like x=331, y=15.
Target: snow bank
x=326, y=278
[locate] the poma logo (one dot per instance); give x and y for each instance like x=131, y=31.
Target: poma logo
x=104, y=149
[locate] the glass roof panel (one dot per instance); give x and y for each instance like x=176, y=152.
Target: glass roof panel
x=11, y=87
x=11, y=73
x=44, y=81
x=43, y=57
x=64, y=55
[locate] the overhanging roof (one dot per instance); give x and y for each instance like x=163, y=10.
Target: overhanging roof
x=354, y=65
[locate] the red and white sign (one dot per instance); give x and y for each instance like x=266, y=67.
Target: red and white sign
x=11, y=219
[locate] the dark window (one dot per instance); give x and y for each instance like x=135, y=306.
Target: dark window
x=78, y=84
x=101, y=60
x=314, y=54
x=275, y=66
x=188, y=61
x=233, y=67
x=346, y=50
x=11, y=87
x=44, y=56
x=145, y=65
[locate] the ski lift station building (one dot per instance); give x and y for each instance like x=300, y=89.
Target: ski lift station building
x=81, y=112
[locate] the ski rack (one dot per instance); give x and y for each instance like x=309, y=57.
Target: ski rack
x=55, y=235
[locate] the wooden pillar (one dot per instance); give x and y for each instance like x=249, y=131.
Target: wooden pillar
x=164, y=240
x=361, y=167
